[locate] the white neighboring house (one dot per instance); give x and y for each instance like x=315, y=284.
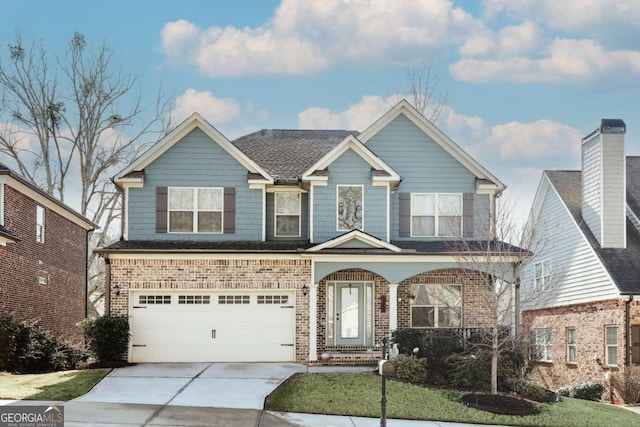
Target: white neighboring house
x=581, y=292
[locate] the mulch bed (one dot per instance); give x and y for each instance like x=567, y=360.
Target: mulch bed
x=500, y=404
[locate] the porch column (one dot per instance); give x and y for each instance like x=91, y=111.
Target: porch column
x=393, y=307
x=313, y=322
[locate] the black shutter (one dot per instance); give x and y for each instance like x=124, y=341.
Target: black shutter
x=161, y=209
x=229, y=226
x=635, y=344
x=467, y=215
x=405, y=214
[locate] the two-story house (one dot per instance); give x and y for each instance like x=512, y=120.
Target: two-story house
x=286, y=245
x=43, y=257
x=581, y=290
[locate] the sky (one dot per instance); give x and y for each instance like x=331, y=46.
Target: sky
x=525, y=80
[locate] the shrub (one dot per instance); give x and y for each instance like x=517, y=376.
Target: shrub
x=627, y=385
x=529, y=390
x=470, y=371
x=589, y=390
x=410, y=368
x=107, y=338
x=25, y=348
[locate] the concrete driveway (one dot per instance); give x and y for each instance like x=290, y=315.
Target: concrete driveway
x=189, y=394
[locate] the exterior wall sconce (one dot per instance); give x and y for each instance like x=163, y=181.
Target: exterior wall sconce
x=116, y=290
x=412, y=299
x=305, y=290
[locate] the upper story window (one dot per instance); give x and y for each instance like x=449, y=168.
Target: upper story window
x=436, y=306
x=435, y=214
x=39, y=224
x=542, y=275
x=350, y=208
x=287, y=214
x=541, y=345
x=195, y=210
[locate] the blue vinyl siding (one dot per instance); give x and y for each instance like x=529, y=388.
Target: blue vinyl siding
x=426, y=168
x=349, y=169
x=195, y=161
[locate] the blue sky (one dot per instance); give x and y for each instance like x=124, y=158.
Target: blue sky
x=525, y=80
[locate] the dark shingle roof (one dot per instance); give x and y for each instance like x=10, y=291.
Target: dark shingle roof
x=412, y=247
x=622, y=264
x=7, y=234
x=287, y=154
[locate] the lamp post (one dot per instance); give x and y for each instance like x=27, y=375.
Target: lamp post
x=385, y=368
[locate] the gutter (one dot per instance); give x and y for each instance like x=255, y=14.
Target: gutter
x=627, y=330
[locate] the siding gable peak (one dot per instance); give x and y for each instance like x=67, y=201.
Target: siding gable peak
x=405, y=108
x=380, y=170
x=192, y=122
x=355, y=239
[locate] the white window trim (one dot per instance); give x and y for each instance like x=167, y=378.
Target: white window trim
x=436, y=307
x=436, y=221
x=40, y=227
x=545, y=275
x=574, y=346
x=194, y=210
x=608, y=346
x=275, y=214
x=338, y=203
x=548, y=348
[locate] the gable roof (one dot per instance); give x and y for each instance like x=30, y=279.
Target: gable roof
x=287, y=153
x=380, y=170
x=623, y=265
x=405, y=108
x=352, y=236
x=192, y=122
x=38, y=194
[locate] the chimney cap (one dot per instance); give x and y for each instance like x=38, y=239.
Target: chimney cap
x=613, y=126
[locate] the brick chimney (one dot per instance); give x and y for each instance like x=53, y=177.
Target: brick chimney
x=604, y=192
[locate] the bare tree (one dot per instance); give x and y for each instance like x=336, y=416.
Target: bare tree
x=72, y=121
x=425, y=90
x=491, y=268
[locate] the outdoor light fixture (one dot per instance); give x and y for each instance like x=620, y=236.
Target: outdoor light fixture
x=305, y=290
x=116, y=290
x=412, y=299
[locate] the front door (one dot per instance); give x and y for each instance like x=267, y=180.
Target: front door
x=350, y=314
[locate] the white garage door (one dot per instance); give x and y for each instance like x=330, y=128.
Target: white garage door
x=221, y=326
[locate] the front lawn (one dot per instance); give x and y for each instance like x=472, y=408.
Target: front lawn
x=358, y=394
x=64, y=385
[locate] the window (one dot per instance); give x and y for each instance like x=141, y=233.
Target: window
x=436, y=306
x=350, y=207
x=195, y=210
x=233, y=299
x=611, y=338
x=571, y=345
x=39, y=224
x=194, y=299
x=542, y=274
x=273, y=299
x=436, y=215
x=42, y=280
x=541, y=345
x=287, y=207
x=154, y=299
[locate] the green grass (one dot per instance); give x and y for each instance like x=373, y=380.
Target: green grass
x=63, y=385
x=358, y=394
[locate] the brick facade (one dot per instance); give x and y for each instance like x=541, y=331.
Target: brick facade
x=240, y=274
x=589, y=321
x=60, y=304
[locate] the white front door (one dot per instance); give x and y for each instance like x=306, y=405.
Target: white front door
x=350, y=313
x=212, y=326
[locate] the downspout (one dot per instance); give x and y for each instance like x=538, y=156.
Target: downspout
x=627, y=331
x=107, y=286
x=517, y=307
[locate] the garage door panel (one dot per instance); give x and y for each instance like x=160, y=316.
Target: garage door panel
x=212, y=326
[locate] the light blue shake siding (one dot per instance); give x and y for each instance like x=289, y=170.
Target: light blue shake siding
x=425, y=168
x=349, y=169
x=195, y=161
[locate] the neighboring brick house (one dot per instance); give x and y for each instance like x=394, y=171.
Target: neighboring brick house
x=283, y=245
x=43, y=257
x=583, y=310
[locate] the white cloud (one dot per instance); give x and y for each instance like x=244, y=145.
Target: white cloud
x=215, y=110
x=306, y=36
x=357, y=117
x=564, y=60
